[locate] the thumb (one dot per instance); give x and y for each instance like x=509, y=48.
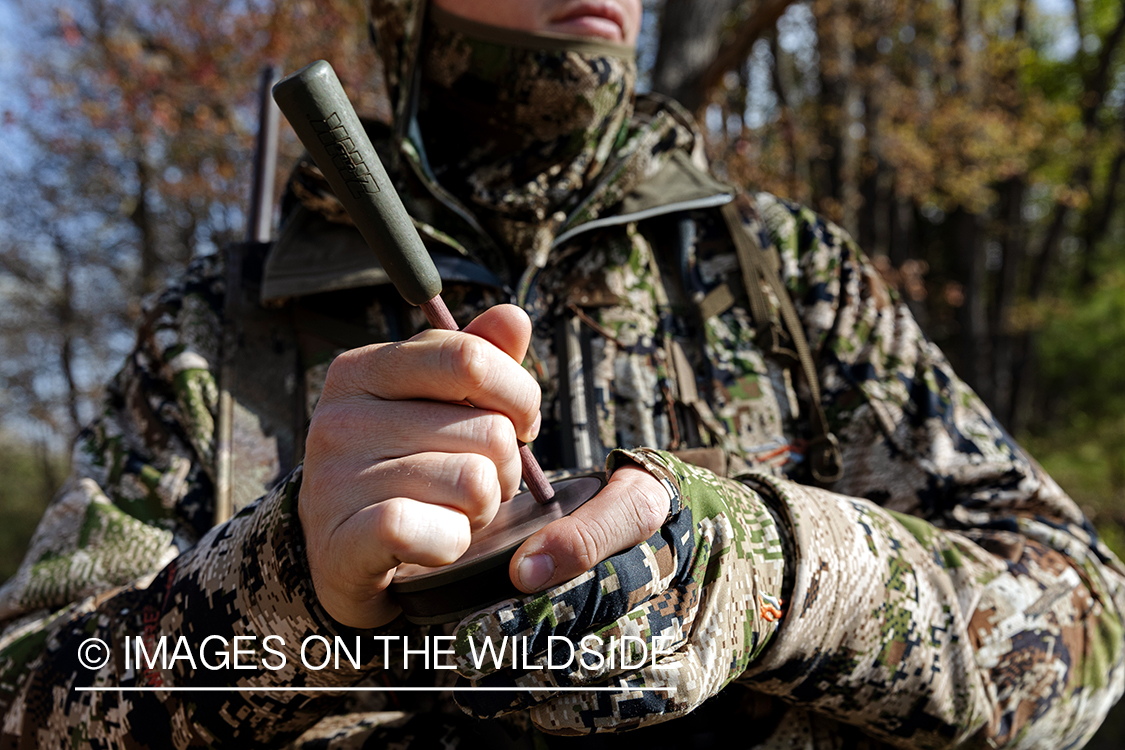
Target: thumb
x=631, y=508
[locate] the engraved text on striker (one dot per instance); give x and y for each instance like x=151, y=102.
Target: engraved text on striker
x=345, y=155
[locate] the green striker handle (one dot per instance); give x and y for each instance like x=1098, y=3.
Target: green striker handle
x=318, y=109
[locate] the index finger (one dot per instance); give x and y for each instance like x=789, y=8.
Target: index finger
x=440, y=366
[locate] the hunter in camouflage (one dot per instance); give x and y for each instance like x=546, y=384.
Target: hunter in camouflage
x=941, y=591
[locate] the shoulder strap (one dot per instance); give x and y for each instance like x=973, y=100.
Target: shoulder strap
x=825, y=459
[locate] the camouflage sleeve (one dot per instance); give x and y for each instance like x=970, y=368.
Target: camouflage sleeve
x=123, y=553
x=947, y=589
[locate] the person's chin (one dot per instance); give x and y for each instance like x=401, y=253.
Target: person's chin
x=594, y=27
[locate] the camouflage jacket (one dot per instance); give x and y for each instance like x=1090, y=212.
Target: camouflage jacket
x=944, y=591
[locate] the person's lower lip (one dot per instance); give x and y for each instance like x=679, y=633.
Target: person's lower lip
x=589, y=26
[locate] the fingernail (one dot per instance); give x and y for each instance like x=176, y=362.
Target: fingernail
x=536, y=425
x=535, y=571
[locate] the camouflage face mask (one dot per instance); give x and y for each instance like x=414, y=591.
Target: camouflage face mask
x=532, y=133
x=520, y=123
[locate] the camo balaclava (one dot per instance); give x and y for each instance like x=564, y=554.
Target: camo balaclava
x=532, y=133
x=517, y=123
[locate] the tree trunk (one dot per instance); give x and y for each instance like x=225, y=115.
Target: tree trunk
x=975, y=348
x=65, y=319
x=1013, y=248
x=690, y=36
x=693, y=56
x=49, y=478
x=143, y=220
x=837, y=165
x=1014, y=256
x=1097, y=221
x=797, y=167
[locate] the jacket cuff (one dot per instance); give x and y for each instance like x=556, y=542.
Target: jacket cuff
x=755, y=573
x=655, y=463
x=249, y=577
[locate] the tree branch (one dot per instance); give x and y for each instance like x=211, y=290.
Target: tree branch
x=732, y=54
x=689, y=40
x=1098, y=81
x=1096, y=85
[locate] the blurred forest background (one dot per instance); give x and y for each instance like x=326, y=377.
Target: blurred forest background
x=975, y=148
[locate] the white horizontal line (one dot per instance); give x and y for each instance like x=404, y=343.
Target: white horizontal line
x=151, y=689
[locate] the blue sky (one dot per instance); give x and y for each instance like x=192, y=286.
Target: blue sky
x=10, y=51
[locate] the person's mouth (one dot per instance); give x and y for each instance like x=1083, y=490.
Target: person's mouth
x=591, y=18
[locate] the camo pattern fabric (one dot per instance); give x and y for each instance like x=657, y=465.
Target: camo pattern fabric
x=516, y=129
x=140, y=486
x=962, y=506
x=705, y=592
x=975, y=604
x=915, y=439
x=944, y=591
x=897, y=597
x=396, y=27
x=124, y=552
x=530, y=133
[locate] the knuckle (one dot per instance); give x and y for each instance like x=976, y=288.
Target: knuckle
x=355, y=370
x=324, y=422
x=392, y=527
x=528, y=402
x=341, y=372
x=319, y=436
x=334, y=426
x=313, y=509
x=466, y=359
x=477, y=481
x=499, y=436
